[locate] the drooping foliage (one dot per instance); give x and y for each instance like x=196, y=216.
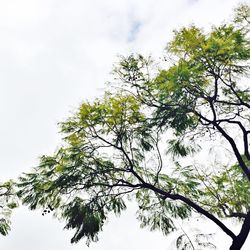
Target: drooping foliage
x=8, y=201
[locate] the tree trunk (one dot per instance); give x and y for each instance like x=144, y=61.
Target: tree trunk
x=242, y=236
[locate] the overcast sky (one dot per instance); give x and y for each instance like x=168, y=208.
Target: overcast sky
x=55, y=54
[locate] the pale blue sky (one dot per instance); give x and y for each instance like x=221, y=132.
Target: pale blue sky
x=53, y=55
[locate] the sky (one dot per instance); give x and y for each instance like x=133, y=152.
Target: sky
x=54, y=54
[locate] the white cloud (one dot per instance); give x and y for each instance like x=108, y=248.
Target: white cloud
x=53, y=55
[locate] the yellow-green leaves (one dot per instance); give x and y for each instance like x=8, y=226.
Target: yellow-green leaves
x=111, y=110
x=187, y=41
x=225, y=46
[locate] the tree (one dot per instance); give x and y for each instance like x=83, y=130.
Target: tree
x=8, y=201
x=136, y=142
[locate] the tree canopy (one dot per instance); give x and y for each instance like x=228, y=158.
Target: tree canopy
x=139, y=140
